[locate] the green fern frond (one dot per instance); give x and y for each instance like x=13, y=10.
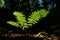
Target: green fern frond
x=13, y=23
x=36, y=16
x=20, y=18
x=43, y=13
x=33, y=18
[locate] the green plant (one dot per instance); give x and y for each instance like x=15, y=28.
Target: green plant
x=2, y=3
x=40, y=34
x=32, y=19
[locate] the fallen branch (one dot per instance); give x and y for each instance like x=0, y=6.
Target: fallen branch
x=12, y=35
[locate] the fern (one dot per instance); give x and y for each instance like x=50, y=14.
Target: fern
x=13, y=23
x=37, y=16
x=33, y=18
x=21, y=20
x=43, y=12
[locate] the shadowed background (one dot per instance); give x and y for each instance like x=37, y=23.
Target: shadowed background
x=28, y=6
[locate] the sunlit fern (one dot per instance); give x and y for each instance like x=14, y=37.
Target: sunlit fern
x=32, y=19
